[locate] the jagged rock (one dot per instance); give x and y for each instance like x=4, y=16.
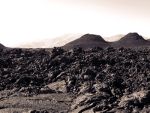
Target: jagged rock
x=59, y=86
x=46, y=90
x=77, y=105
x=137, y=98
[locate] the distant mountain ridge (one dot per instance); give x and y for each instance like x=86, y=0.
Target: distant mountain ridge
x=50, y=43
x=130, y=40
x=114, y=38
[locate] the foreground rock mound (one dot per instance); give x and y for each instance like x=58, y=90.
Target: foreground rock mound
x=102, y=80
x=87, y=41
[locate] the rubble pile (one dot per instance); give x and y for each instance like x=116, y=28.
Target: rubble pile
x=107, y=80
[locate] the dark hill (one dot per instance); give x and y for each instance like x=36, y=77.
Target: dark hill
x=131, y=40
x=87, y=41
x=2, y=46
x=148, y=39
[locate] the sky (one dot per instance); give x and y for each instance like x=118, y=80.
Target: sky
x=31, y=20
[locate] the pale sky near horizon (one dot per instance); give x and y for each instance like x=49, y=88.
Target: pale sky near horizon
x=29, y=20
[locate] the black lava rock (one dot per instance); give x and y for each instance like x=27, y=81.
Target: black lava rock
x=118, y=80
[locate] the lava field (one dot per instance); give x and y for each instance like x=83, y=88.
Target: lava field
x=105, y=80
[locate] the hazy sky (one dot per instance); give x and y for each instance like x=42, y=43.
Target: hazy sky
x=29, y=20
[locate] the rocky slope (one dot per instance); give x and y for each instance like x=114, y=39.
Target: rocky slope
x=93, y=80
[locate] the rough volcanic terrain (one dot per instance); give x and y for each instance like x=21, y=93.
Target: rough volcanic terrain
x=105, y=80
